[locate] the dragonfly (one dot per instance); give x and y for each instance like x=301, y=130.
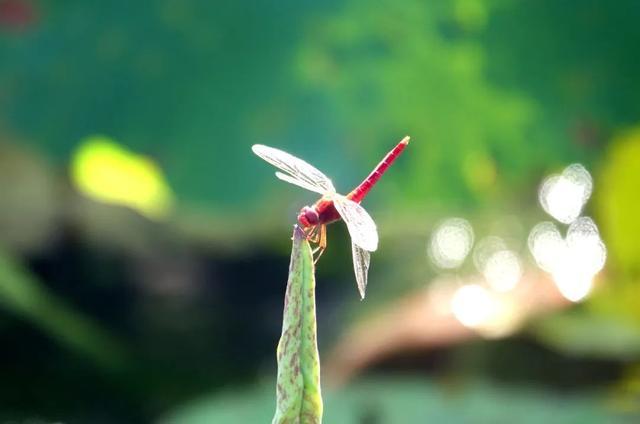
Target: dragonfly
x=332, y=207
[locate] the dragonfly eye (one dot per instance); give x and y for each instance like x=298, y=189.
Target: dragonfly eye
x=308, y=217
x=312, y=216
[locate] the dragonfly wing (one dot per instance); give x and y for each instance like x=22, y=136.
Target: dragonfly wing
x=361, y=260
x=305, y=175
x=361, y=227
x=299, y=183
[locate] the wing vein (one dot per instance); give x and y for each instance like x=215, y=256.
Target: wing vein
x=361, y=227
x=361, y=261
x=300, y=172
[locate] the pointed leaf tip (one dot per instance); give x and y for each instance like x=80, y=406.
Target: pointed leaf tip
x=298, y=386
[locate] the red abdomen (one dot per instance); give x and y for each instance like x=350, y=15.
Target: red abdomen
x=361, y=191
x=325, y=208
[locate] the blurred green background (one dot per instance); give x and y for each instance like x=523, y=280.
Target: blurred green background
x=144, y=248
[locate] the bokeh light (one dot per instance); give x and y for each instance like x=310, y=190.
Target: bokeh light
x=563, y=196
x=485, y=248
x=503, y=270
x=572, y=262
x=583, y=239
x=472, y=305
x=489, y=313
x=546, y=245
x=500, y=266
x=450, y=243
x=573, y=281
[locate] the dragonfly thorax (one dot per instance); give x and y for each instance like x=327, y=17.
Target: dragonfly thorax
x=308, y=217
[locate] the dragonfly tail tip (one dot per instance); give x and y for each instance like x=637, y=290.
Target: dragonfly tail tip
x=405, y=140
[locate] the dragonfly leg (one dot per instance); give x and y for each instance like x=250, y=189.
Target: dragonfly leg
x=312, y=235
x=322, y=243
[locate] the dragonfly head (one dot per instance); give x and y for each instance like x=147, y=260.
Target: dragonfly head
x=308, y=217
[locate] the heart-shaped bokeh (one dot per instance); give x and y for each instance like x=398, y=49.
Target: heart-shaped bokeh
x=572, y=261
x=563, y=196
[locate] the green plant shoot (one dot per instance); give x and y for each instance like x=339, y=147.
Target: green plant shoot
x=298, y=388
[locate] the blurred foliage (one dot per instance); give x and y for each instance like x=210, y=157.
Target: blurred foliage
x=30, y=199
x=105, y=171
x=617, y=208
x=22, y=294
x=618, y=205
x=399, y=67
x=590, y=335
x=409, y=401
x=491, y=91
x=179, y=81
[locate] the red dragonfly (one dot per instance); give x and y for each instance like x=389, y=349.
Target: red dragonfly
x=333, y=206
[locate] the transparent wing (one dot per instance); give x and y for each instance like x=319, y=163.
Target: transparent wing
x=361, y=260
x=301, y=173
x=361, y=227
x=299, y=183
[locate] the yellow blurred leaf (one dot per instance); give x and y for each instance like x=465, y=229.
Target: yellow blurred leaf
x=108, y=172
x=617, y=201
